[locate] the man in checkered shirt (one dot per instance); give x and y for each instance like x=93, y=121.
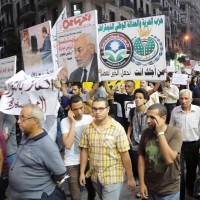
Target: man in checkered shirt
x=105, y=143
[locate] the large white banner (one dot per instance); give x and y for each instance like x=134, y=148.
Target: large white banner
x=78, y=47
x=62, y=16
x=133, y=49
x=23, y=89
x=7, y=70
x=37, y=49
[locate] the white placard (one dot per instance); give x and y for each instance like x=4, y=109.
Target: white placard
x=197, y=68
x=23, y=89
x=133, y=49
x=7, y=70
x=179, y=79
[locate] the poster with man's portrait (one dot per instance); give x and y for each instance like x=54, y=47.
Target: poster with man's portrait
x=78, y=47
x=37, y=49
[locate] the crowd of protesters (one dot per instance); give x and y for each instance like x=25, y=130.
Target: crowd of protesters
x=149, y=133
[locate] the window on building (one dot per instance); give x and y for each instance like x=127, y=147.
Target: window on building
x=154, y=11
x=99, y=13
x=42, y=18
x=18, y=9
x=54, y=15
x=141, y=3
x=147, y=8
x=123, y=18
x=112, y=16
x=135, y=4
x=76, y=9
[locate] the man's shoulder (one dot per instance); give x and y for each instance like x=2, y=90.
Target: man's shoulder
x=74, y=76
x=195, y=108
x=173, y=129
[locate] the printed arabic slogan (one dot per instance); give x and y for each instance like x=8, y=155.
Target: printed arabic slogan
x=23, y=89
x=78, y=47
x=37, y=49
x=133, y=49
x=7, y=70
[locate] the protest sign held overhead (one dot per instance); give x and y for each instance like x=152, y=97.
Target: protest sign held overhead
x=37, y=49
x=78, y=47
x=62, y=16
x=133, y=49
x=23, y=89
x=7, y=70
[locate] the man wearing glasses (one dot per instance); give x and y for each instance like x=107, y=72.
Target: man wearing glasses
x=72, y=127
x=105, y=143
x=86, y=58
x=38, y=164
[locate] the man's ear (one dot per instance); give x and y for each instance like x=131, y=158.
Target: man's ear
x=164, y=117
x=92, y=48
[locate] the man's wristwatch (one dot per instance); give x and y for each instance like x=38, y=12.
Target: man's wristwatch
x=161, y=133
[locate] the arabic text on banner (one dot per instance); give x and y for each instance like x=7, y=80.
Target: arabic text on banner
x=7, y=70
x=23, y=89
x=133, y=49
x=68, y=31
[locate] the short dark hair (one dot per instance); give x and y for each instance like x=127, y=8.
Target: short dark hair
x=160, y=107
x=98, y=99
x=78, y=84
x=168, y=79
x=44, y=29
x=142, y=91
x=75, y=99
x=130, y=81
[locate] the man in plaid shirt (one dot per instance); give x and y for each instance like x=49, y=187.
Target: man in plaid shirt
x=105, y=143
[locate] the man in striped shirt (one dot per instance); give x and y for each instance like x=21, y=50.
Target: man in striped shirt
x=105, y=143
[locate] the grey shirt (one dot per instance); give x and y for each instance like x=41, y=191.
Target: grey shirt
x=37, y=159
x=9, y=122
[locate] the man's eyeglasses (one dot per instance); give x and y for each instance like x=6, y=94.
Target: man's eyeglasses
x=128, y=86
x=22, y=118
x=101, y=109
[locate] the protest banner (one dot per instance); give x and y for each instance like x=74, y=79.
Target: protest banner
x=133, y=49
x=23, y=89
x=62, y=16
x=7, y=70
x=78, y=47
x=197, y=68
x=179, y=79
x=37, y=49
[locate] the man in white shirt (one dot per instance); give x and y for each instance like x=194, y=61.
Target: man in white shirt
x=153, y=98
x=171, y=93
x=187, y=118
x=72, y=127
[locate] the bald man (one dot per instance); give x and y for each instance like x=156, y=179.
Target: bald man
x=86, y=58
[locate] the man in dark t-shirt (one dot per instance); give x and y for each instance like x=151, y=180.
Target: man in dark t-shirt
x=159, y=157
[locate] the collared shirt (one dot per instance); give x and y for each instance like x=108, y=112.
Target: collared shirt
x=37, y=159
x=188, y=122
x=173, y=94
x=104, y=151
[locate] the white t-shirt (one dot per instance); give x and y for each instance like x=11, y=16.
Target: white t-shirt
x=72, y=156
